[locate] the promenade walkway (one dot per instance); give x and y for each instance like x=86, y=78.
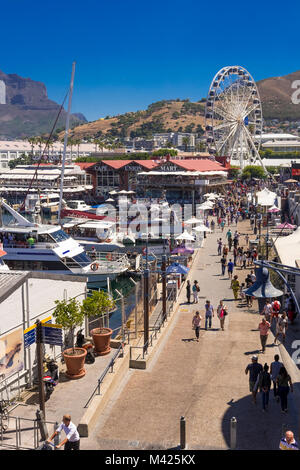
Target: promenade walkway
x=205, y=381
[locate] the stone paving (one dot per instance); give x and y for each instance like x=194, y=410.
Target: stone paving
x=205, y=381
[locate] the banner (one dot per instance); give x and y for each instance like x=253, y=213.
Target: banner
x=11, y=353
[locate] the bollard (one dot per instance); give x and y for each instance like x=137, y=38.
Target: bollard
x=233, y=423
x=182, y=433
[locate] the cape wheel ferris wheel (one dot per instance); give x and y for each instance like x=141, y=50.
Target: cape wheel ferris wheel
x=233, y=116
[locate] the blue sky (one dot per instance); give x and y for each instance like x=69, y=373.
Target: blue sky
x=132, y=53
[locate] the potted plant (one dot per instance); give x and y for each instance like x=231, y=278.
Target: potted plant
x=99, y=303
x=69, y=315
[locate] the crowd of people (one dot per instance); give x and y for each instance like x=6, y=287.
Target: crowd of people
x=237, y=257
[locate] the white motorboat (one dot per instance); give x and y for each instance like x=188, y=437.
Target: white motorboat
x=94, y=233
x=40, y=247
x=78, y=205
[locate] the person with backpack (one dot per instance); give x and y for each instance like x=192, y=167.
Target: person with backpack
x=275, y=368
x=254, y=370
x=222, y=311
x=196, y=290
x=264, y=385
x=223, y=265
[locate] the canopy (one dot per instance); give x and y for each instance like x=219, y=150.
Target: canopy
x=113, y=192
x=182, y=250
x=288, y=248
x=193, y=220
x=185, y=236
x=201, y=228
x=273, y=209
x=266, y=197
x=286, y=225
x=110, y=200
x=176, y=268
x=291, y=181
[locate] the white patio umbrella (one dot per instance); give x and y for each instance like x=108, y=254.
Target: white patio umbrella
x=193, y=220
x=185, y=236
x=201, y=228
x=113, y=192
x=110, y=200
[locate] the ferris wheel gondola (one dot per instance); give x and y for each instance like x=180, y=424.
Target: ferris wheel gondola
x=233, y=116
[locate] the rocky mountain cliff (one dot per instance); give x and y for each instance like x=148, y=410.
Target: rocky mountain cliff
x=25, y=109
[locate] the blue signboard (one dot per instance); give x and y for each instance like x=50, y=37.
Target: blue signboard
x=29, y=337
x=52, y=334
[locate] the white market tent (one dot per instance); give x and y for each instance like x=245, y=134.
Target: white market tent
x=185, y=236
x=193, y=220
x=201, y=228
x=288, y=248
x=266, y=197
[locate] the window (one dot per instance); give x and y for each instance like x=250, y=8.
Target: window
x=82, y=259
x=59, y=236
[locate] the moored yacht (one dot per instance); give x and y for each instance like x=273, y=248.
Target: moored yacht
x=40, y=247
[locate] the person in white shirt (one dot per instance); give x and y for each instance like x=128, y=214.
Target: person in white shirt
x=267, y=311
x=72, y=441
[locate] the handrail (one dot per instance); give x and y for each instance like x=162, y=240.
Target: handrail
x=110, y=367
x=160, y=320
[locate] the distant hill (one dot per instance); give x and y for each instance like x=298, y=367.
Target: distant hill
x=185, y=116
x=276, y=96
x=25, y=109
x=162, y=116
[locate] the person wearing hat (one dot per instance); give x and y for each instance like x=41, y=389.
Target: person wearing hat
x=72, y=440
x=254, y=370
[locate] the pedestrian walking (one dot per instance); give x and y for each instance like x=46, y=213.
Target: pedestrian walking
x=72, y=440
x=288, y=442
x=264, y=327
x=196, y=322
x=225, y=251
x=247, y=239
x=230, y=267
x=223, y=265
x=274, y=371
x=222, y=225
x=284, y=383
x=254, y=370
x=222, y=311
x=264, y=385
x=244, y=260
x=235, y=286
x=196, y=290
x=209, y=313
x=267, y=311
x=220, y=244
x=188, y=291
x=276, y=306
x=281, y=327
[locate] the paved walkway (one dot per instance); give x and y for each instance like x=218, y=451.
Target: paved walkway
x=205, y=381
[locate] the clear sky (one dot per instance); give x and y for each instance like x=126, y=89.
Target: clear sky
x=130, y=53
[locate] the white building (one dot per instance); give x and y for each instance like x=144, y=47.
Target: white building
x=280, y=142
x=26, y=297
x=9, y=150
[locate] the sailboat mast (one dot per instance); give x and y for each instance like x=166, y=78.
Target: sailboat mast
x=66, y=141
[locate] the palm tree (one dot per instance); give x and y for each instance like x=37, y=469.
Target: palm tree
x=186, y=143
x=77, y=142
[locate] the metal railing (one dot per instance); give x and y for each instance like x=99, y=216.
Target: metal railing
x=109, y=368
x=13, y=437
x=159, y=323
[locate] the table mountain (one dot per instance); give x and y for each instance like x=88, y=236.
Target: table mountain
x=25, y=109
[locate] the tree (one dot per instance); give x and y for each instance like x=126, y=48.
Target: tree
x=69, y=314
x=97, y=304
x=253, y=171
x=186, y=142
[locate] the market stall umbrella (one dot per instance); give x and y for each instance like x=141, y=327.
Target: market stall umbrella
x=185, y=236
x=113, y=192
x=286, y=225
x=110, y=200
x=201, y=228
x=176, y=268
x=182, y=250
x=291, y=181
x=193, y=220
x=273, y=209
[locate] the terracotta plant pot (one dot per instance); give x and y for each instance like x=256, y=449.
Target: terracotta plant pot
x=75, y=362
x=101, y=338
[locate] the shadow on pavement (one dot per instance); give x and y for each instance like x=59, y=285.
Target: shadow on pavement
x=258, y=430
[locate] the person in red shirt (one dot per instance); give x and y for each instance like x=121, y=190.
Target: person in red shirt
x=264, y=328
